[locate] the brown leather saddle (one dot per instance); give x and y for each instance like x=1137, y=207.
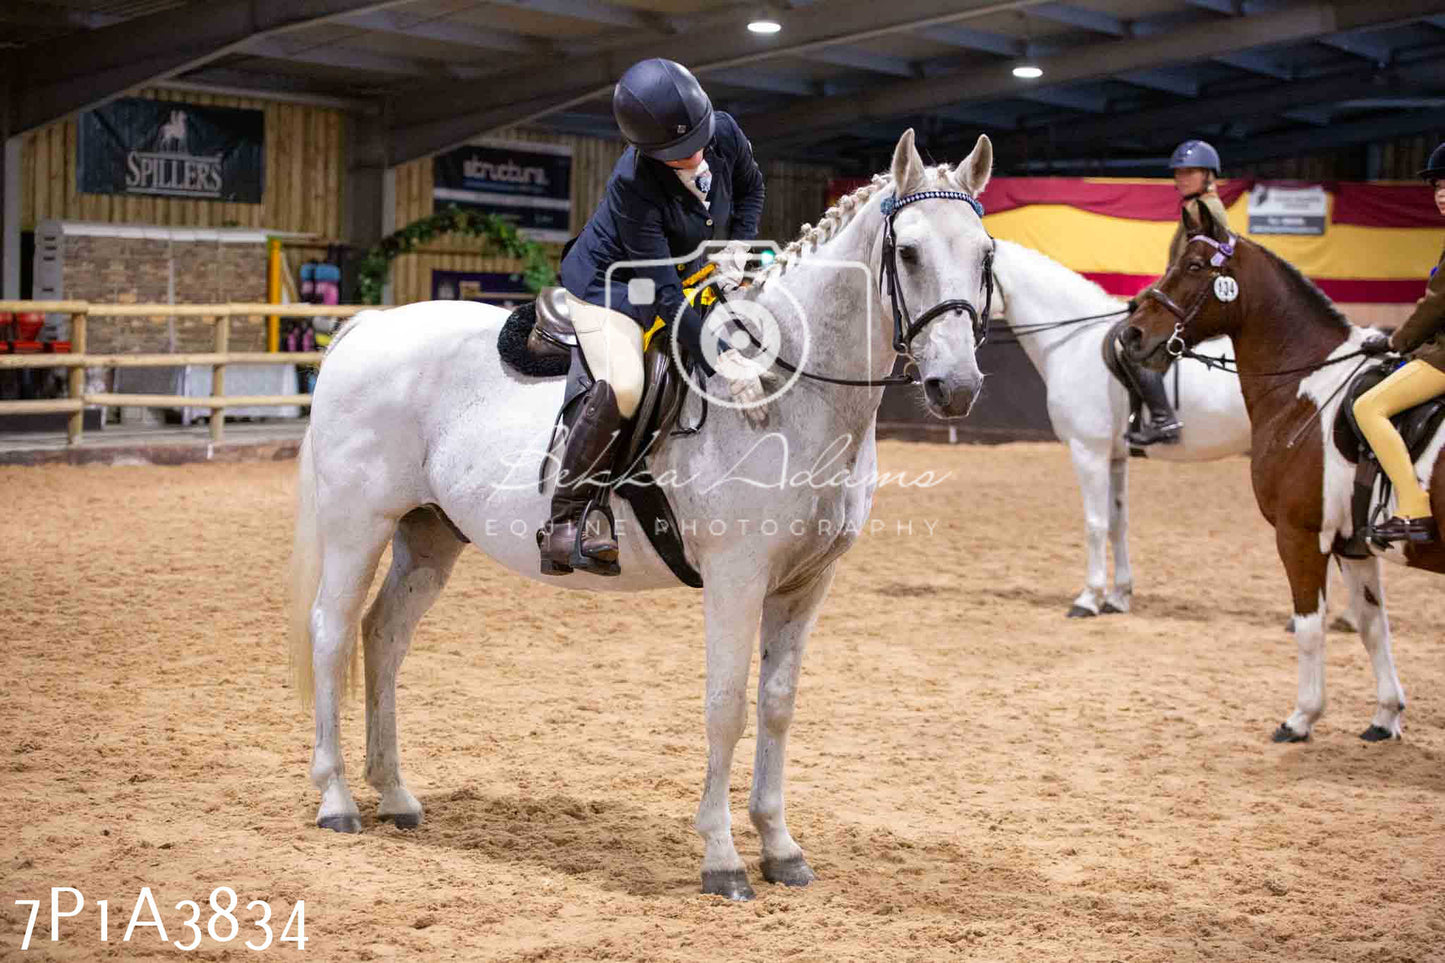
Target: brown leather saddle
x=538, y=340
x=1417, y=427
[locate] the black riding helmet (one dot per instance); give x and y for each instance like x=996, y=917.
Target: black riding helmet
x=662, y=110
x=1435, y=166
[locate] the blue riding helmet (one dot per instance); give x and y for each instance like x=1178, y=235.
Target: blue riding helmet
x=1195, y=153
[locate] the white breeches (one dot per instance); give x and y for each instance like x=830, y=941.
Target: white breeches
x=612, y=344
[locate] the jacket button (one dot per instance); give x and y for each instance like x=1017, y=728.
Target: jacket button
x=709, y=222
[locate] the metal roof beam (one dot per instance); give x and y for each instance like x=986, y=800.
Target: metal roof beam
x=434, y=118
x=1361, y=45
x=591, y=11
x=1303, y=143
x=1092, y=61
x=1177, y=121
x=970, y=39
x=332, y=55
x=445, y=31
x=1256, y=62
x=71, y=73
x=762, y=80
x=1171, y=81
x=1083, y=17
x=1069, y=98
x=987, y=115
x=845, y=55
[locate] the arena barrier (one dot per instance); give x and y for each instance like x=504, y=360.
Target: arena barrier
x=77, y=360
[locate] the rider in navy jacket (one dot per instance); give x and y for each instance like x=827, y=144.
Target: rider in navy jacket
x=648, y=213
x=688, y=176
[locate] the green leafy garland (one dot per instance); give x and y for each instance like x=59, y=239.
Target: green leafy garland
x=372, y=273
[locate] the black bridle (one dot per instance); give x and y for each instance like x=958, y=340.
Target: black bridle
x=904, y=330
x=1178, y=348
x=1223, y=251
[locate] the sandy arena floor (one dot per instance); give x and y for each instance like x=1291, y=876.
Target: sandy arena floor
x=972, y=776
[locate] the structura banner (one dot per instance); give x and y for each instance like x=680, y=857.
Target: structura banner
x=529, y=185
x=159, y=147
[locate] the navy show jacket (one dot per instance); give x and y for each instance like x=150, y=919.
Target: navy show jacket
x=647, y=213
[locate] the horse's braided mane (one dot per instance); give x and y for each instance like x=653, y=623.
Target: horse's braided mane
x=834, y=220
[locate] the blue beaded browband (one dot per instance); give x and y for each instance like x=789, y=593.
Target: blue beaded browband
x=893, y=202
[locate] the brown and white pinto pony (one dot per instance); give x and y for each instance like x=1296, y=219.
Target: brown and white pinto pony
x=1280, y=322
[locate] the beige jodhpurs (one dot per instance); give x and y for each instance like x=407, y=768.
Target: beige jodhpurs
x=612, y=344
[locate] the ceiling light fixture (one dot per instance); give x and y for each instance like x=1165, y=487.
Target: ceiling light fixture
x=765, y=26
x=1028, y=72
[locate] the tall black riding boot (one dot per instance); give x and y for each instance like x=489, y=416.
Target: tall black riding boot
x=567, y=542
x=1163, y=425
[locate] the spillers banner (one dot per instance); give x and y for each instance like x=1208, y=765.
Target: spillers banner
x=527, y=184
x=135, y=146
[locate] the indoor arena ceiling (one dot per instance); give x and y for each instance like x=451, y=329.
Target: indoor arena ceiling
x=1122, y=80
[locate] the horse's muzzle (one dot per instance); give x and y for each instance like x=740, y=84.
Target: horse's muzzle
x=951, y=398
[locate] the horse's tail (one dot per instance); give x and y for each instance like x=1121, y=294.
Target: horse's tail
x=305, y=574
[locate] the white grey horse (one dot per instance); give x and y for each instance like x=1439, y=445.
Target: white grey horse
x=1089, y=408
x=414, y=407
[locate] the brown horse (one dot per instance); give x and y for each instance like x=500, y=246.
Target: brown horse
x=1295, y=353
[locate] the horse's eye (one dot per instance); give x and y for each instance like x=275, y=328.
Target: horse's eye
x=908, y=253
x=1195, y=267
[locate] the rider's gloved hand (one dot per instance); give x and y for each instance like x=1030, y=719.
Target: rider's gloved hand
x=1132, y=305
x=1375, y=344
x=732, y=266
x=745, y=379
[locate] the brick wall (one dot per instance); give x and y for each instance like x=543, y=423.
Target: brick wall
x=135, y=270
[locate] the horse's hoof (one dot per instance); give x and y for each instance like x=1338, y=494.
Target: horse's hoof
x=1079, y=612
x=1109, y=608
x=1377, y=734
x=1285, y=734
x=346, y=823
x=790, y=872
x=1289, y=626
x=402, y=820
x=732, y=883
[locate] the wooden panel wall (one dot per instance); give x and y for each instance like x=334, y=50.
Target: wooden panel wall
x=304, y=180
x=797, y=195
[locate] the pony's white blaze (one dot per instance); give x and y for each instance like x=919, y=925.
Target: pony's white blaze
x=1089, y=409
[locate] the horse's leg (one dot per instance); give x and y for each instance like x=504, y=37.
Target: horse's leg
x=1119, y=599
x=423, y=552
x=787, y=621
x=1308, y=571
x=1351, y=620
x=351, y=547
x=1091, y=464
x=732, y=608
x=1367, y=598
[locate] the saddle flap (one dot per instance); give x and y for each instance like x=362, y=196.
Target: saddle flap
x=662, y=399
x=1417, y=425
x=1347, y=435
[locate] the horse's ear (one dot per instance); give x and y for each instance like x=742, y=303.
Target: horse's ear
x=1210, y=225
x=907, y=165
x=973, y=174
x=1189, y=217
